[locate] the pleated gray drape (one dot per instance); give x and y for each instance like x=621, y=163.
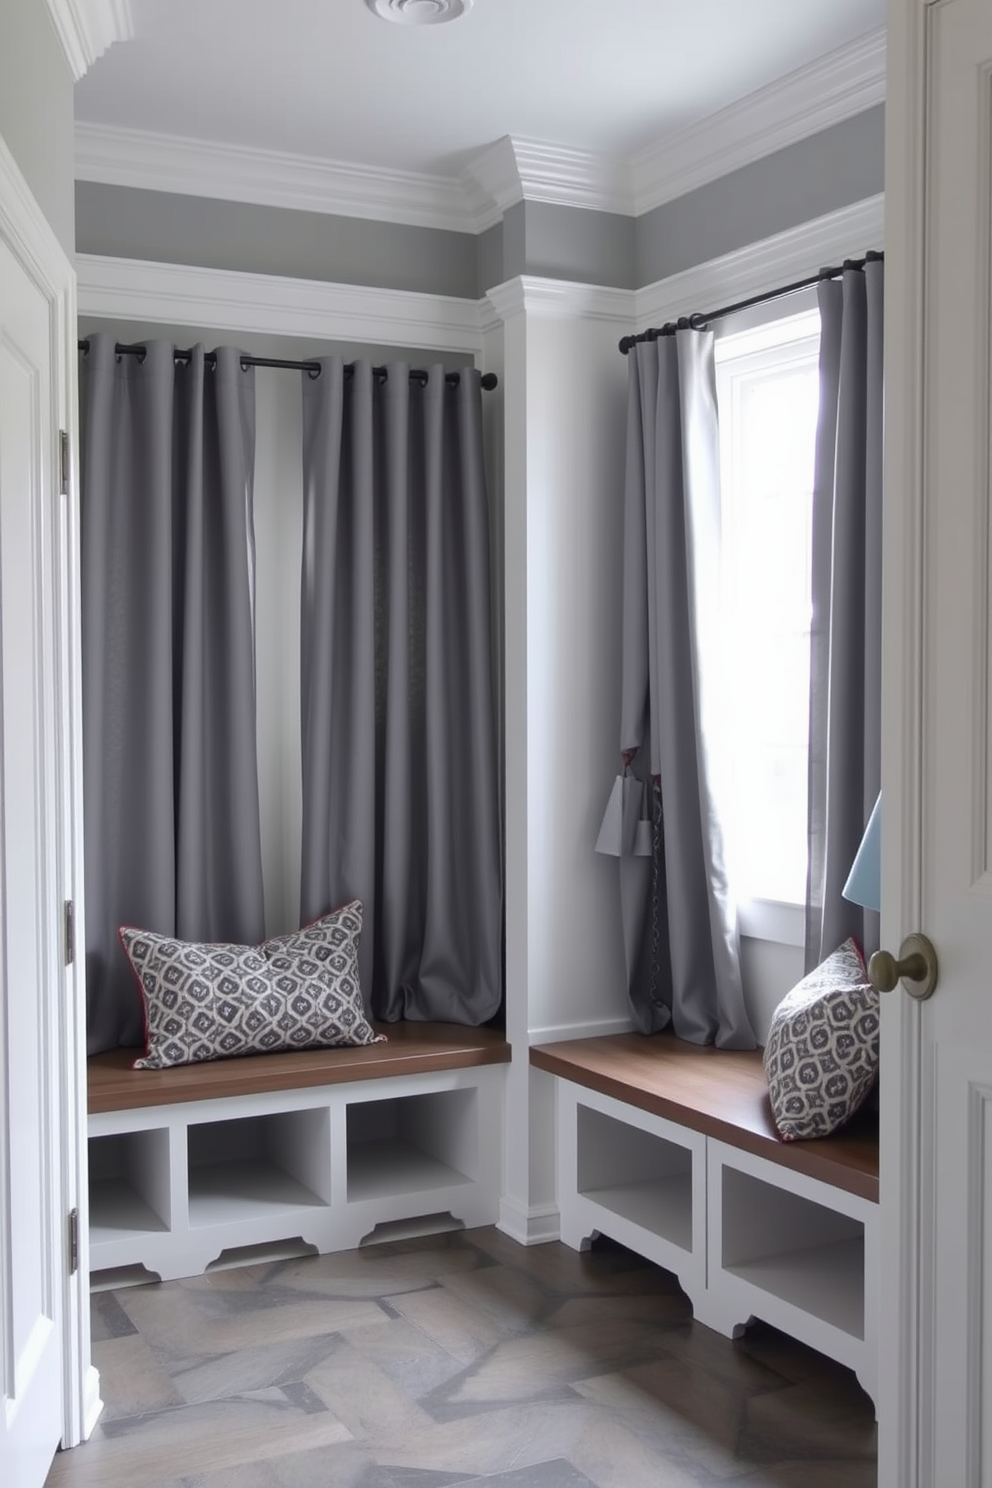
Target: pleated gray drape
x=170, y=779
x=399, y=761
x=846, y=639
x=680, y=922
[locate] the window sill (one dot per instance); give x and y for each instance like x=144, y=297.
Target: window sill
x=771, y=919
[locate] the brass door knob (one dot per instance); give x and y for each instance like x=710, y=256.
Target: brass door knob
x=916, y=968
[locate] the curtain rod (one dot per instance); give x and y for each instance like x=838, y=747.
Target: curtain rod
x=699, y=321
x=488, y=381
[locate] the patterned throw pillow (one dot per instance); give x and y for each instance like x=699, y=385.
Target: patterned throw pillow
x=821, y=1057
x=297, y=991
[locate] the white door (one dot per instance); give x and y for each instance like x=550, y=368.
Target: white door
x=936, y=1365
x=33, y=1240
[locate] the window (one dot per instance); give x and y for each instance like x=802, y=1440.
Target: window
x=768, y=390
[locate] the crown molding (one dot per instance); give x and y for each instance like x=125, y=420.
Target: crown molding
x=763, y=266
x=529, y=295
x=86, y=28
x=218, y=299
x=490, y=183
x=826, y=92
x=190, y=167
x=509, y=171
x=513, y=170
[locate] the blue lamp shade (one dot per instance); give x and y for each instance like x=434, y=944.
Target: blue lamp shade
x=864, y=882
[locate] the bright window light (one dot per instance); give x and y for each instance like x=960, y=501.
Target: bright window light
x=767, y=385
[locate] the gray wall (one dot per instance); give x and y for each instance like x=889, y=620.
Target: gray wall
x=118, y=221
x=586, y=247
x=36, y=119
x=833, y=169
x=514, y=241
x=490, y=258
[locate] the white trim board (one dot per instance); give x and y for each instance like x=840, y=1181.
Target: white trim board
x=531, y=295
x=220, y=299
x=764, y=266
x=86, y=28
x=511, y=170
x=557, y=1033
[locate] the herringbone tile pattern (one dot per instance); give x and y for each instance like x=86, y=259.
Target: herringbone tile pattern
x=455, y=1360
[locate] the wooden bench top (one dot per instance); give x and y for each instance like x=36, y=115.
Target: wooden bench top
x=412, y=1049
x=719, y=1092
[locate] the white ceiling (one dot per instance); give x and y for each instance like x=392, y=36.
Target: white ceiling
x=327, y=79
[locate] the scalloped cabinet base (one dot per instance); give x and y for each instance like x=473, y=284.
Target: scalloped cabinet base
x=747, y=1238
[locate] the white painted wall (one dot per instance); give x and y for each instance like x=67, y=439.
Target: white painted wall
x=564, y=413
x=768, y=971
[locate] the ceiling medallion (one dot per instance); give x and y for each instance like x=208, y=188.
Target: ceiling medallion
x=419, y=12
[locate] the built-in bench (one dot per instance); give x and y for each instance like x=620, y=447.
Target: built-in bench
x=313, y=1148
x=670, y=1148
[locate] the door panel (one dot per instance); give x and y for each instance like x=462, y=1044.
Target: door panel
x=32, y=1237
x=937, y=1056
x=957, y=763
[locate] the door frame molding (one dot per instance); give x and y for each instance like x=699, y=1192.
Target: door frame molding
x=905, y=1389
x=26, y=231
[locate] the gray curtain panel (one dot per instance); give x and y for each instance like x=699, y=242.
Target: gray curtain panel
x=679, y=918
x=846, y=644
x=170, y=779
x=400, y=803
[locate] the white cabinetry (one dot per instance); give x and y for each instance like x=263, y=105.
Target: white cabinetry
x=172, y=1187
x=747, y=1237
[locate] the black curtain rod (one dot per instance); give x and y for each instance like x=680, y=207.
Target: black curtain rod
x=489, y=380
x=699, y=321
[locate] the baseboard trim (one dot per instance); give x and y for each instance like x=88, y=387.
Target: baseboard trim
x=555, y=1033
x=92, y=1401
x=535, y=1225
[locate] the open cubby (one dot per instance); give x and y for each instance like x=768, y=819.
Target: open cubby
x=129, y=1185
x=254, y=1166
x=635, y=1174
x=412, y=1143
x=795, y=1249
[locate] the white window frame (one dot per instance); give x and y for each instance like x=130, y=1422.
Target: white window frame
x=786, y=331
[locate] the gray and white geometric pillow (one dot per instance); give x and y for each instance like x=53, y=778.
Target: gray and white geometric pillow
x=215, y=1001
x=821, y=1057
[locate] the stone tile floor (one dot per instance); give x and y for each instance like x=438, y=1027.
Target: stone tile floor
x=456, y=1360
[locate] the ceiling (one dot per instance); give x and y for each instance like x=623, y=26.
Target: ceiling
x=327, y=79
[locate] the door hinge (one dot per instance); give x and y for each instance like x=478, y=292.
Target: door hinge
x=64, y=462
x=69, y=932
x=73, y=1241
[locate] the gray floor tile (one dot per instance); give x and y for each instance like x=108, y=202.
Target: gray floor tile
x=456, y=1361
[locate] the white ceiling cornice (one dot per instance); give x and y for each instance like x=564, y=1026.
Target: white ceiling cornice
x=165, y=162
x=514, y=170
x=835, y=88
x=86, y=28
x=828, y=91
